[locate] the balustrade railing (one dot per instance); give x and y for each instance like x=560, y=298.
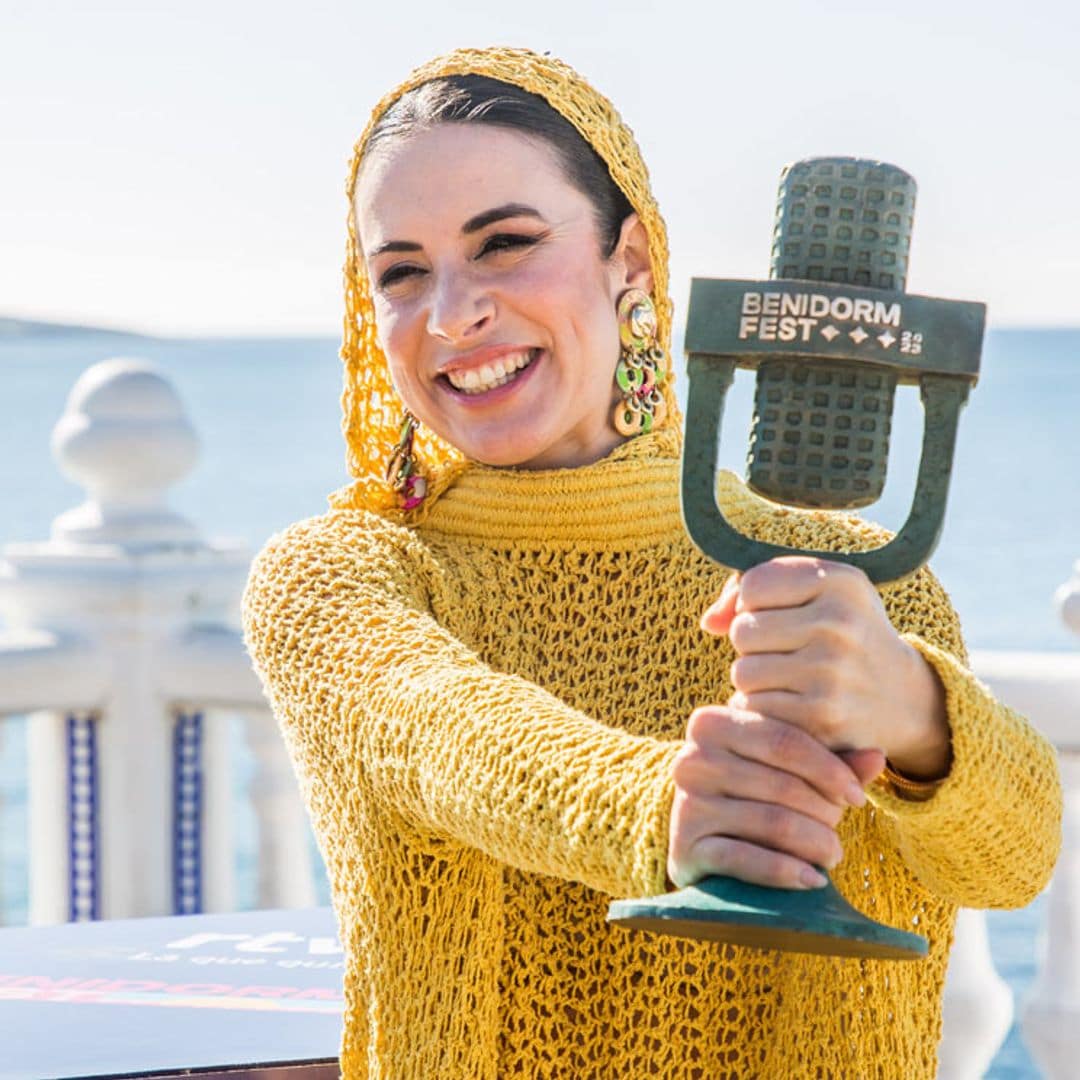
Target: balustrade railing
x=122, y=648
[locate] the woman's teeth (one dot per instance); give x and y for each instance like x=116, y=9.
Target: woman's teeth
x=480, y=380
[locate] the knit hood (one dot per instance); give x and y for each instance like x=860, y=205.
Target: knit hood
x=372, y=409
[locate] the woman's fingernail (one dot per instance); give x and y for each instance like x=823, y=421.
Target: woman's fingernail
x=811, y=879
x=855, y=795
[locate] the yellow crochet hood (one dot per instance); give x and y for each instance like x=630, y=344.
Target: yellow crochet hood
x=372, y=409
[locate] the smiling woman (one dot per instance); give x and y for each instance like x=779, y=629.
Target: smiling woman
x=512, y=688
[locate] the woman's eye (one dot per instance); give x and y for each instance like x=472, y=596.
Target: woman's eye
x=396, y=274
x=498, y=242
x=505, y=241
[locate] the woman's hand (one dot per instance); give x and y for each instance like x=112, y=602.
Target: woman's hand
x=816, y=649
x=759, y=799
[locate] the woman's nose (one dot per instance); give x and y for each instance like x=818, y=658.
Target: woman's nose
x=459, y=309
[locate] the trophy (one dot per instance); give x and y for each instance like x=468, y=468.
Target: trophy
x=830, y=334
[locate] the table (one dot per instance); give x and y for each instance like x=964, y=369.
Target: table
x=243, y=995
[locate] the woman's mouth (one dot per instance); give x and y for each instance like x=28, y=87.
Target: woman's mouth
x=488, y=377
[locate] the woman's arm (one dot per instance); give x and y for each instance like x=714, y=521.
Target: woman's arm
x=372, y=693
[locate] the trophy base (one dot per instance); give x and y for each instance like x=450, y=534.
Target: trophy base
x=723, y=909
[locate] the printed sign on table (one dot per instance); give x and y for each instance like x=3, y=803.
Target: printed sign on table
x=254, y=990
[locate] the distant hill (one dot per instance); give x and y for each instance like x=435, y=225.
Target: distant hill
x=11, y=329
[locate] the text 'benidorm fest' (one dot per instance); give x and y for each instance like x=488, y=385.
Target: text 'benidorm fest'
x=798, y=316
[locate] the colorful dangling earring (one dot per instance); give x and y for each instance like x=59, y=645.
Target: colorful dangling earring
x=401, y=472
x=641, y=369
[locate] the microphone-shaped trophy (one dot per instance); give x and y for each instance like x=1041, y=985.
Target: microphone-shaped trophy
x=830, y=334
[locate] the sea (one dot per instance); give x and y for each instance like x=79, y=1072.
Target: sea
x=267, y=413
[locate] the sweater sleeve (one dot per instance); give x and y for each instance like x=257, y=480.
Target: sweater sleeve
x=989, y=834
x=372, y=693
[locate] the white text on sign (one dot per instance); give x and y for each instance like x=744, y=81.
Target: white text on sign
x=785, y=316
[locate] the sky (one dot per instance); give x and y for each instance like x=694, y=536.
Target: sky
x=178, y=168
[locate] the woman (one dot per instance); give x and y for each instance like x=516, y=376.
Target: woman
x=488, y=662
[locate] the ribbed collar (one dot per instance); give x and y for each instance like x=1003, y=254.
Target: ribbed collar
x=630, y=495
x=629, y=498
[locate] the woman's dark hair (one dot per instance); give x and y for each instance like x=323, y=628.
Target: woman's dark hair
x=478, y=99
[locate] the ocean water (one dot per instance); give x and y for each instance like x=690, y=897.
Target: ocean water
x=268, y=415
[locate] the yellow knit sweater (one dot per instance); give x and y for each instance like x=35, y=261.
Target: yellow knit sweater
x=482, y=712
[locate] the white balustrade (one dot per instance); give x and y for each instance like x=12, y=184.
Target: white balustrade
x=123, y=649
x=283, y=878
x=977, y=1010
x=1051, y=1013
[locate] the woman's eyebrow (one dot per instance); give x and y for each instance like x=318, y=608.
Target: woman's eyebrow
x=395, y=245
x=474, y=224
x=488, y=217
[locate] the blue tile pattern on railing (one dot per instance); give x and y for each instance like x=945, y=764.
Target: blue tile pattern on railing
x=84, y=846
x=187, y=813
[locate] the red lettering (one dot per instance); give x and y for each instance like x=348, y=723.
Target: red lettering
x=138, y=986
x=41, y=982
x=318, y=993
x=263, y=991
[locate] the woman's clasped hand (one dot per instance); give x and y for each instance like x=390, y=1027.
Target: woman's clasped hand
x=826, y=691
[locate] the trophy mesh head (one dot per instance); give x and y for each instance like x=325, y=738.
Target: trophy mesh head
x=820, y=435
x=846, y=220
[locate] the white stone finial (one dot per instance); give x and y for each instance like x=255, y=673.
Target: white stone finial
x=125, y=438
x=1067, y=600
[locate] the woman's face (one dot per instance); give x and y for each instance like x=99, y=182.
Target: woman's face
x=493, y=303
